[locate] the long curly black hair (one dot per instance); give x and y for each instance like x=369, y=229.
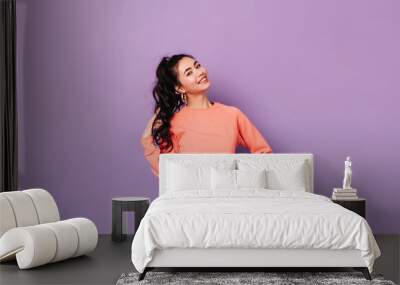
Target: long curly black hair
x=167, y=100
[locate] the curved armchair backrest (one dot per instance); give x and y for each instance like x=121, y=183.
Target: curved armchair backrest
x=26, y=208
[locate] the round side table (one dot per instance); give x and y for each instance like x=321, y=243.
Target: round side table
x=139, y=205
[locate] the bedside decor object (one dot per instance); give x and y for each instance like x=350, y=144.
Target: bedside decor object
x=31, y=231
x=345, y=193
x=357, y=205
x=347, y=174
x=139, y=205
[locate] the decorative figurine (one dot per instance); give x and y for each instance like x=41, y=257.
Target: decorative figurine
x=347, y=174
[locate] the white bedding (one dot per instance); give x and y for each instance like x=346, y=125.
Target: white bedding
x=250, y=218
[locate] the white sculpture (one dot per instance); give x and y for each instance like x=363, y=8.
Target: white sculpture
x=347, y=174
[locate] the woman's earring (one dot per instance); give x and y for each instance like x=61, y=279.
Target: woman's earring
x=184, y=98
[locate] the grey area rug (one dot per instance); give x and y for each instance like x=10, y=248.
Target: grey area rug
x=225, y=278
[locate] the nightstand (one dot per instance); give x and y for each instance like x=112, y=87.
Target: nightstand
x=357, y=205
x=139, y=205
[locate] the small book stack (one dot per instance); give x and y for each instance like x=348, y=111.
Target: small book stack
x=344, y=194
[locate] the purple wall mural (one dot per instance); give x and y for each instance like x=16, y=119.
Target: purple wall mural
x=313, y=76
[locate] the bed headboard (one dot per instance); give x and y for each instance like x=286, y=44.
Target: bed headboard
x=209, y=158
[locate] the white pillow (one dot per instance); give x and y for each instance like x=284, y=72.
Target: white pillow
x=282, y=174
x=223, y=179
x=187, y=175
x=236, y=179
x=288, y=179
x=251, y=178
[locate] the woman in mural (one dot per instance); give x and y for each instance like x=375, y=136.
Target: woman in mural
x=186, y=121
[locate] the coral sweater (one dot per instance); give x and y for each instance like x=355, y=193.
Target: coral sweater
x=216, y=129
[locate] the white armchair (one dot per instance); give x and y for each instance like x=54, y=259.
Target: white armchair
x=31, y=230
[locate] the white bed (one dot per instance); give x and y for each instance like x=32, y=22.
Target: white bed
x=282, y=224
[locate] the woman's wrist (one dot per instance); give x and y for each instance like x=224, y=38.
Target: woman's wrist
x=146, y=133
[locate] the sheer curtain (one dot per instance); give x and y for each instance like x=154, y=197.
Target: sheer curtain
x=8, y=101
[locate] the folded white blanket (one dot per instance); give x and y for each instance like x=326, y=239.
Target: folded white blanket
x=250, y=218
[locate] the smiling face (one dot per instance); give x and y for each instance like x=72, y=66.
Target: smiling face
x=192, y=76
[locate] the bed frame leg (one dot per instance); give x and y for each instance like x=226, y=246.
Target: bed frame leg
x=364, y=271
x=143, y=274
